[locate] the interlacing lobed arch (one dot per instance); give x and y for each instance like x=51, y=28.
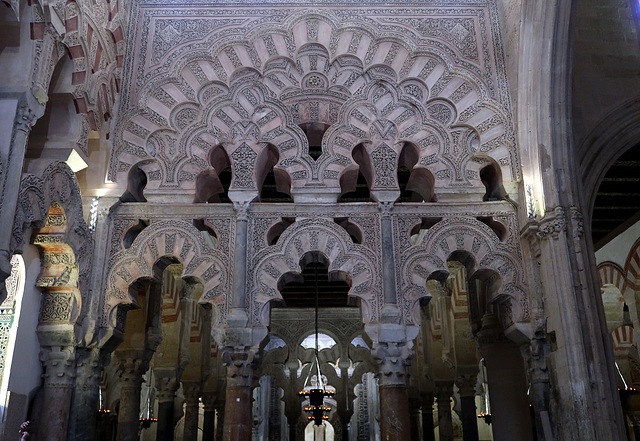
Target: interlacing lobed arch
x=380, y=86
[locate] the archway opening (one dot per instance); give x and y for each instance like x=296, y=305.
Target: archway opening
x=315, y=132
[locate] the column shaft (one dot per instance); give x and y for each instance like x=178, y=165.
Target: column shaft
x=469, y=418
x=59, y=379
x=507, y=392
x=394, y=413
x=86, y=396
x=209, y=425
x=129, y=412
x=191, y=419
x=164, y=429
x=428, y=433
x=237, y=414
x=445, y=422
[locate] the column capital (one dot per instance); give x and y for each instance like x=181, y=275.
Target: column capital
x=26, y=117
x=466, y=381
x=210, y=401
x=443, y=390
x=166, y=385
x=60, y=366
x=192, y=391
x=132, y=364
x=392, y=359
x=240, y=362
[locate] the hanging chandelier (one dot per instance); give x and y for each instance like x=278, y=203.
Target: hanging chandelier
x=316, y=393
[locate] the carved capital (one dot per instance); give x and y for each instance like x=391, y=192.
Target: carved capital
x=552, y=224
x=26, y=117
x=577, y=223
x=392, y=359
x=166, y=386
x=491, y=332
x=443, y=391
x=385, y=208
x=131, y=366
x=192, y=391
x=88, y=366
x=466, y=382
x=240, y=362
x=59, y=366
x=210, y=400
x=242, y=209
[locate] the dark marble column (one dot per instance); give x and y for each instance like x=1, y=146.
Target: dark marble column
x=166, y=387
x=510, y=415
x=132, y=367
x=444, y=391
x=466, y=382
x=59, y=380
x=209, y=423
x=192, y=400
x=239, y=362
x=414, y=418
x=86, y=395
x=428, y=433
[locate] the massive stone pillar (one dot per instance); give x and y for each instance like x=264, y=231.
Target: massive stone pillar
x=428, y=433
x=131, y=366
x=166, y=387
x=510, y=415
x=466, y=382
x=391, y=358
x=86, y=395
x=192, y=400
x=59, y=380
x=540, y=389
x=240, y=363
x=209, y=423
x=444, y=392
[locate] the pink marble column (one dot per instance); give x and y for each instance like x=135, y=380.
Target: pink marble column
x=391, y=358
x=59, y=380
x=239, y=362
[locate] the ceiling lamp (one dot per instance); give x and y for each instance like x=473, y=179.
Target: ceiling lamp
x=316, y=393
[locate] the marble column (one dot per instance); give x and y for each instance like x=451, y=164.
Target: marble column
x=12, y=153
x=392, y=358
x=428, y=433
x=220, y=421
x=86, y=395
x=414, y=419
x=166, y=387
x=444, y=392
x=191, y=392
x=239, y=362
x=59, y=381
x=510, y=415
x=209, y=423
x=132, y=367
x=540, y=390
x=466, y=382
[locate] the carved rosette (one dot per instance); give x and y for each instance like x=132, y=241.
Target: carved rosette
x=392, y=358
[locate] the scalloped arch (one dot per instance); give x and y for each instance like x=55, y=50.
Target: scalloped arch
x=323, y=236
x=170, y=238
x=429, y=259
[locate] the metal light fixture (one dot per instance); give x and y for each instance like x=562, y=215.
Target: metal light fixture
x=316, y=394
